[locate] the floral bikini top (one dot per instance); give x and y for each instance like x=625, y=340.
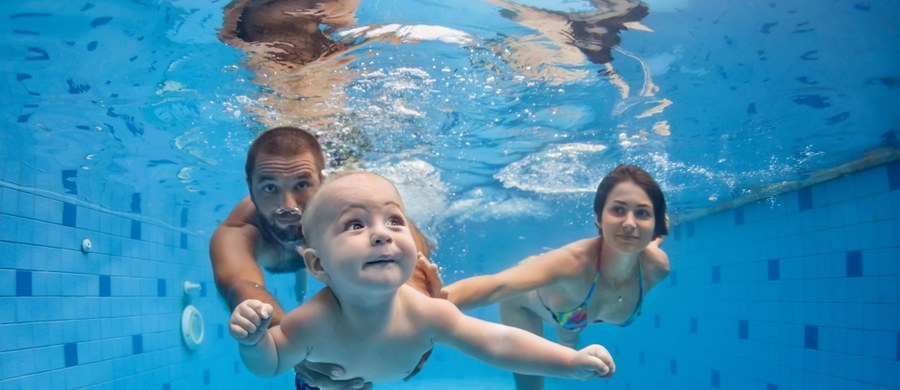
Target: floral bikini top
x=576, y=319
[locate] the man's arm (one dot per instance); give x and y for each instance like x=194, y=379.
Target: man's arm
x=232, y=252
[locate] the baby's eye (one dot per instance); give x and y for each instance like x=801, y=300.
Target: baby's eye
x=355, y=225
x=396, y=221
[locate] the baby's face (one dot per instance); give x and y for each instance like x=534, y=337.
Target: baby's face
x=362, y=235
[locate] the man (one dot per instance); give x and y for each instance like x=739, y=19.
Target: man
x=283, y=171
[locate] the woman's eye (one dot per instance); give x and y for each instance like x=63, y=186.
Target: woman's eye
x=643, y=213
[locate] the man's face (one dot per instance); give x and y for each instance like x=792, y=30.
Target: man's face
x=280, y=188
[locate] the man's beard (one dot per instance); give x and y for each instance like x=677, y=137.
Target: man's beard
x=291, y=234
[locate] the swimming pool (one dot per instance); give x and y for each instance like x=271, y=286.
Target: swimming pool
x=772, y=128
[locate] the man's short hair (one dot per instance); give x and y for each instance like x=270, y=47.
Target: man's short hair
x=284, y=141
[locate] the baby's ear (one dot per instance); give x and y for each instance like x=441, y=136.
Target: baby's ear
x=314, y=264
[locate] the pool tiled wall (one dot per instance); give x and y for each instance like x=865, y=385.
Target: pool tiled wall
x=796, y=292
x=110, y=317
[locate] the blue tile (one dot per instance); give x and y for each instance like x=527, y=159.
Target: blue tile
x=166, y=386
x=137, y=344
x=738, y=217
x=693, y=327
x=656, y=321
x=898, y=346
x=854, y=264
x=135, y=230
x=70, y=351
x=714, y=379
x=220, y=331
x=673, y=367
x=206, y=377
x=202, y=289
x=774, y=269
x=70, y=212
x=23, y=283
x=105, y=285
x=161, y=287
x=184, y=217
x=743, y=329
x=690, y=229
x=673, y=279
x=68, y=181
x=184, y=241
x=716, y=274
x=641, y=358
x=677, y=232
x=770, y=386
x=811, y=337
x=804, y=198
x=893, y=171
x=136, y=202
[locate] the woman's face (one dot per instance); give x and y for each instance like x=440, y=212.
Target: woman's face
x=627, y=221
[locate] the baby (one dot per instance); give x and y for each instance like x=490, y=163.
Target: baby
x=365, y=319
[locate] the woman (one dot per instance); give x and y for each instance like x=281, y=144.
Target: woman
x=598, y=279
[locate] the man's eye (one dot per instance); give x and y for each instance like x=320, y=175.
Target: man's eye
x=303, y=185
x=269, y=188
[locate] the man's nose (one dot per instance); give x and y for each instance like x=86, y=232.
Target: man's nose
x=288, y=202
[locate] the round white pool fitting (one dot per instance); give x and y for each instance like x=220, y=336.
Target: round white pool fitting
x=192, y=327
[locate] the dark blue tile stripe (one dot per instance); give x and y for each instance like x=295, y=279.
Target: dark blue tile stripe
x=135, y=230
x=184, y=241
x=105, y=286
x=774, y=269
x=137, y=344
x=23, y=283
x=206, y=377
x=804, y=198
x=673, y=278
x=714, y=379
x=743, y=329
x=70, y=354
x=893, y=170
x=202, y=289
x=69, y=215
x=673, y=367
x=656, y=321
x=854, y=264
x=136, y=202
x=716, y=274
x=738, y=217
x=161, y=287
x=811, y=337
x=690, y=229
x=184, y=217
x=771, y=387
x=693, y=327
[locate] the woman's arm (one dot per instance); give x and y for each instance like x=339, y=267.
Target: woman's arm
x=533, y=272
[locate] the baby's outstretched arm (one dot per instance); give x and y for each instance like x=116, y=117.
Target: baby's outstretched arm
x=250, y=327
x=519, y=351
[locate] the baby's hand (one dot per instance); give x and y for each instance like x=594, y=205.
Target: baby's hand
x=594, y=361
x=250, y=321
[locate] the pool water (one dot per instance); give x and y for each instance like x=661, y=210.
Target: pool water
x=772, y=128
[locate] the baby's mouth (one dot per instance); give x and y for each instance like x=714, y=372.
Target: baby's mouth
x=380, y=261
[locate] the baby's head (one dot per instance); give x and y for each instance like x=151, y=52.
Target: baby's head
x=357, y=234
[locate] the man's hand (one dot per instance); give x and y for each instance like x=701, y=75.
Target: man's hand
x=426, y=278
x=320, y=375
x=250, y=321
